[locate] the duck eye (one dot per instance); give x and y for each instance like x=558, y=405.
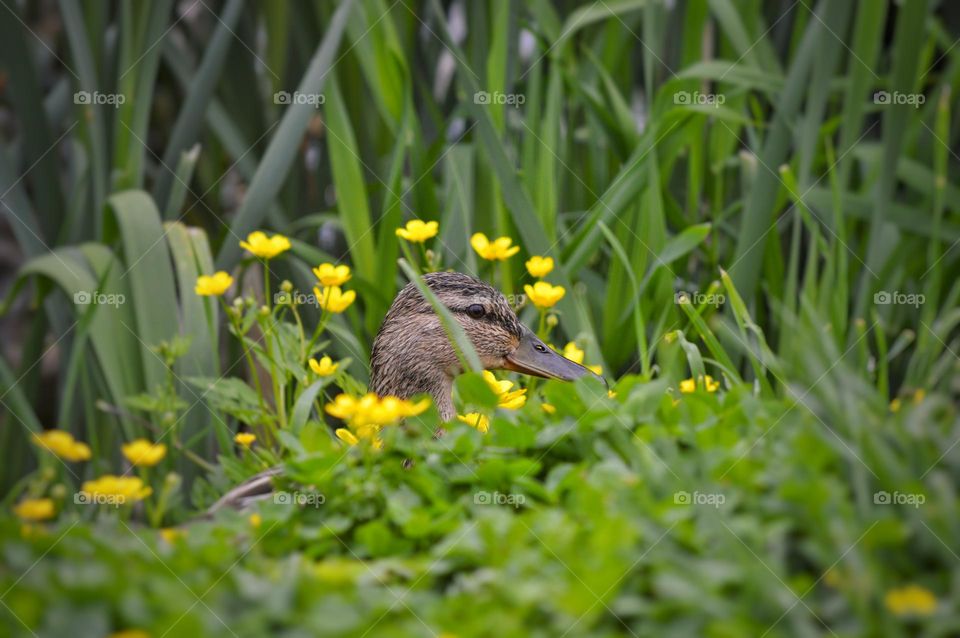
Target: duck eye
x=475, y=310
x=540, y=347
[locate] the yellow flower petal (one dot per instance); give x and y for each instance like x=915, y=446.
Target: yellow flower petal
x=116, y=490
x=476, y=420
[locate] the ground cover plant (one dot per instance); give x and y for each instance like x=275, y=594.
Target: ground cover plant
x=741, y=214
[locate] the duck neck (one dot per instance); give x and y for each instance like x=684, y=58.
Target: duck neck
x=397, y=371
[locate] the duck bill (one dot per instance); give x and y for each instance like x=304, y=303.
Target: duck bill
x=535, y=358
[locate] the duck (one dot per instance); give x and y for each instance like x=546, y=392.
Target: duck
x=413, y=356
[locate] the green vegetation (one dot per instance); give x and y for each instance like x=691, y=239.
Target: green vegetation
x=751, y=210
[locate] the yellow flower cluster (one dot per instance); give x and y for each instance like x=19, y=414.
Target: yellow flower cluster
x=35, y=509
x=911, y=600
x=688, y=386
x=368, y=414
x=259, y=245
x=497, y=250
x=62, y=444
x=417, y=231
x=123, y=489
x=506, y=396
x=213, y=285
x=323, y=368
x=144, y=453
x=331, y=297
x=575, y=354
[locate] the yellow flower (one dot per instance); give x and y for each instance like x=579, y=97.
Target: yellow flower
x=35, y=509
x=539, y=267
x=476, y=420
x=544, y=295
x=368, y=414
x=245, y=439
x=548, y=408
x=506, y=398
x=911, y=600
x=265, y=247
x=129, y=633
x=171, y=534
x=496, y=250
x=919, y=395
x=418, y=231
x=325, y=367
x=63, y=445
x=213, y=285
x=690, y=385
x=895, y=405
x=143, y=452
x=122, y=489
x=255, y=520
x=334, y=299
x=330, y=275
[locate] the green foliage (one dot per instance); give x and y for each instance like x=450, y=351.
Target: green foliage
x=755, y=203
